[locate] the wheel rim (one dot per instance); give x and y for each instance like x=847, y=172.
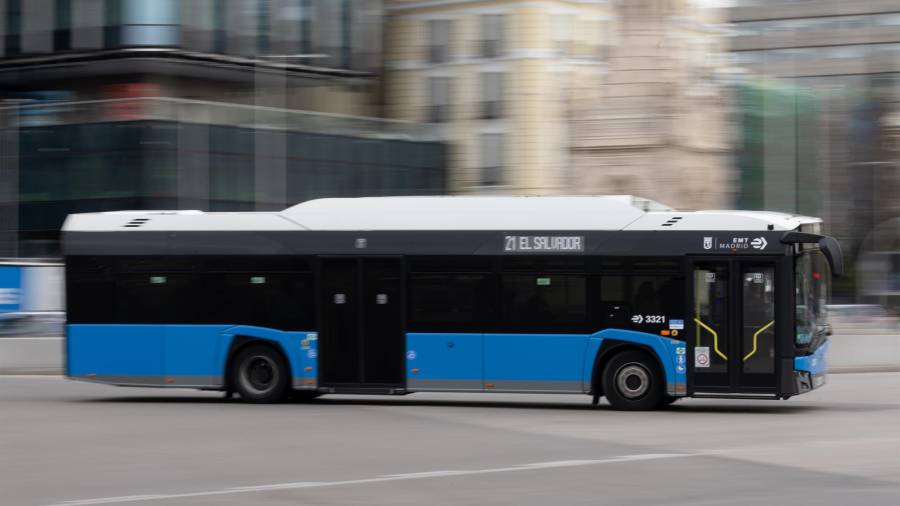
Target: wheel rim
x=259, y=374
x=633, y=380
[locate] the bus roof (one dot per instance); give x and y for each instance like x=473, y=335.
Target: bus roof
x=609, y=212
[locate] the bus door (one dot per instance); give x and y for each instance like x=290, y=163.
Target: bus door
x=731, y=334
x=361, y=339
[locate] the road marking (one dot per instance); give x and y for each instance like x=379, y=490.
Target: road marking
x=390, y=477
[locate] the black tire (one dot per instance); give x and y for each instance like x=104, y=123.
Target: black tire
x=632, y=381
x=260, y=375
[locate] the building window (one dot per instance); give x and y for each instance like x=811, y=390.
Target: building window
x=439, y=105
x=13, y=27
x=263, y=27
x=112, y=23
x=491, y=95
x=564, y=26
x=219, y=40
x=491, y=35
x=439, y=40
x=491, y=159
x=305, y=28
x=62, y=33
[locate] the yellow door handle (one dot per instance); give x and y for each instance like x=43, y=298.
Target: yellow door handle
x=715, y=338
x=756, y=338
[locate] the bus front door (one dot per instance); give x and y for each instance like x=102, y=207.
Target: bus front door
x=361, y=336
x=731, y=340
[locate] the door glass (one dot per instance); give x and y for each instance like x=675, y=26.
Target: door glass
x=711, y=319
x=758, y=329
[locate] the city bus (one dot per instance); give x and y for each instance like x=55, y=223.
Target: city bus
x=608, y=296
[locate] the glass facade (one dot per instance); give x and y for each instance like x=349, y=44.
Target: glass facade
x=329, y=33
x=136, y=166
x=180, y=154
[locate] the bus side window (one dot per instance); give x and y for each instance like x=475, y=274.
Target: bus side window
x=613, y=311
x=615, y=314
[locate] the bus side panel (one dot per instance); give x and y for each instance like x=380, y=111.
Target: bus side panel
x=112, y=353
x=534, y=362
x=669, y=352
x=444, y=362
x=193, y=355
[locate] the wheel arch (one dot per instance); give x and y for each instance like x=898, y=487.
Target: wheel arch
x=612, y=347
x=242, y=342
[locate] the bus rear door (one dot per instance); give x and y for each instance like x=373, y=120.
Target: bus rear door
x=361, y=338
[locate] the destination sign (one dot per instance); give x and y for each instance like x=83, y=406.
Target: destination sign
x=543, y=244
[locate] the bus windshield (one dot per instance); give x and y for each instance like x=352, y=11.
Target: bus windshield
x=812, y=283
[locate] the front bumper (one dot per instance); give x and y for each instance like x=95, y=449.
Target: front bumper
x=810, y=370
x=804, y=381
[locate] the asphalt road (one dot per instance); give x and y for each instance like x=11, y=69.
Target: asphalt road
x=69, y=443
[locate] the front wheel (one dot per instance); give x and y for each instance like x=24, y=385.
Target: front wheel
x=632, y=381
x=260, y=375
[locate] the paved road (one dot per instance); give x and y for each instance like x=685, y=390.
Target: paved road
x=72, y=443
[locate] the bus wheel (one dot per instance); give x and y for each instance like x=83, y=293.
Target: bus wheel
x=631, y=381
x=260, y=375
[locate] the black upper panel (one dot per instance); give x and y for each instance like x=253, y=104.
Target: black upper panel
x=622, y=243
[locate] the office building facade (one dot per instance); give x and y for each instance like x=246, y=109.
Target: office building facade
x=500, y=79
x=836, y=156
x=198, y=104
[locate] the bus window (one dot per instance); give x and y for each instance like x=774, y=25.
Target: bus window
x=448, y=302
x=552, y=301
x=658, y=295
x=279, y=300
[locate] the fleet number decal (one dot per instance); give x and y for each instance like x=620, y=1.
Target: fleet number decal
x=649, y=319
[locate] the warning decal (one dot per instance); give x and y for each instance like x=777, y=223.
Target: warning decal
x=701, y=356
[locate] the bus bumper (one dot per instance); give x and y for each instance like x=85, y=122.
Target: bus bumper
x=810, y=370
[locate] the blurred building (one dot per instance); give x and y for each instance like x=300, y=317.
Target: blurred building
x=656, y=124
x=198, y=104
x=319, y=55
x=501, y=79
x=830, y=143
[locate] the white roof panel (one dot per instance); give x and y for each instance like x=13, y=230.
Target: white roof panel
x=466, y=213
x=617, y=212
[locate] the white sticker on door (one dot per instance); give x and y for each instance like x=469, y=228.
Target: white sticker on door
x=701, y=356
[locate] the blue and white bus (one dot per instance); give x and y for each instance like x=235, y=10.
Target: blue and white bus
x=610, y=296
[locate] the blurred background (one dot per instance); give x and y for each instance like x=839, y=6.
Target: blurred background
x=255, y=105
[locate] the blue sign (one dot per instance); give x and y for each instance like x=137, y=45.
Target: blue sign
x=10, y=289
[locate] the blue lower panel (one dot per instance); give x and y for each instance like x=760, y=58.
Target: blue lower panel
x=114, y=350
x=534, y=362
x=176, y=355
x=527, y=362
x=444, y=361
x=195, y=350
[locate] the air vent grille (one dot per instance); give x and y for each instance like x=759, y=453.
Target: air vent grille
x=136, y=222
x=672, y=221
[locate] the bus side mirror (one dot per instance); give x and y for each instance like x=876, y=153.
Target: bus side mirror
x=830, y=247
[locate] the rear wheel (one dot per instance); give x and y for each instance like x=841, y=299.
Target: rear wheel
x=260, y=374
x=632, y=381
